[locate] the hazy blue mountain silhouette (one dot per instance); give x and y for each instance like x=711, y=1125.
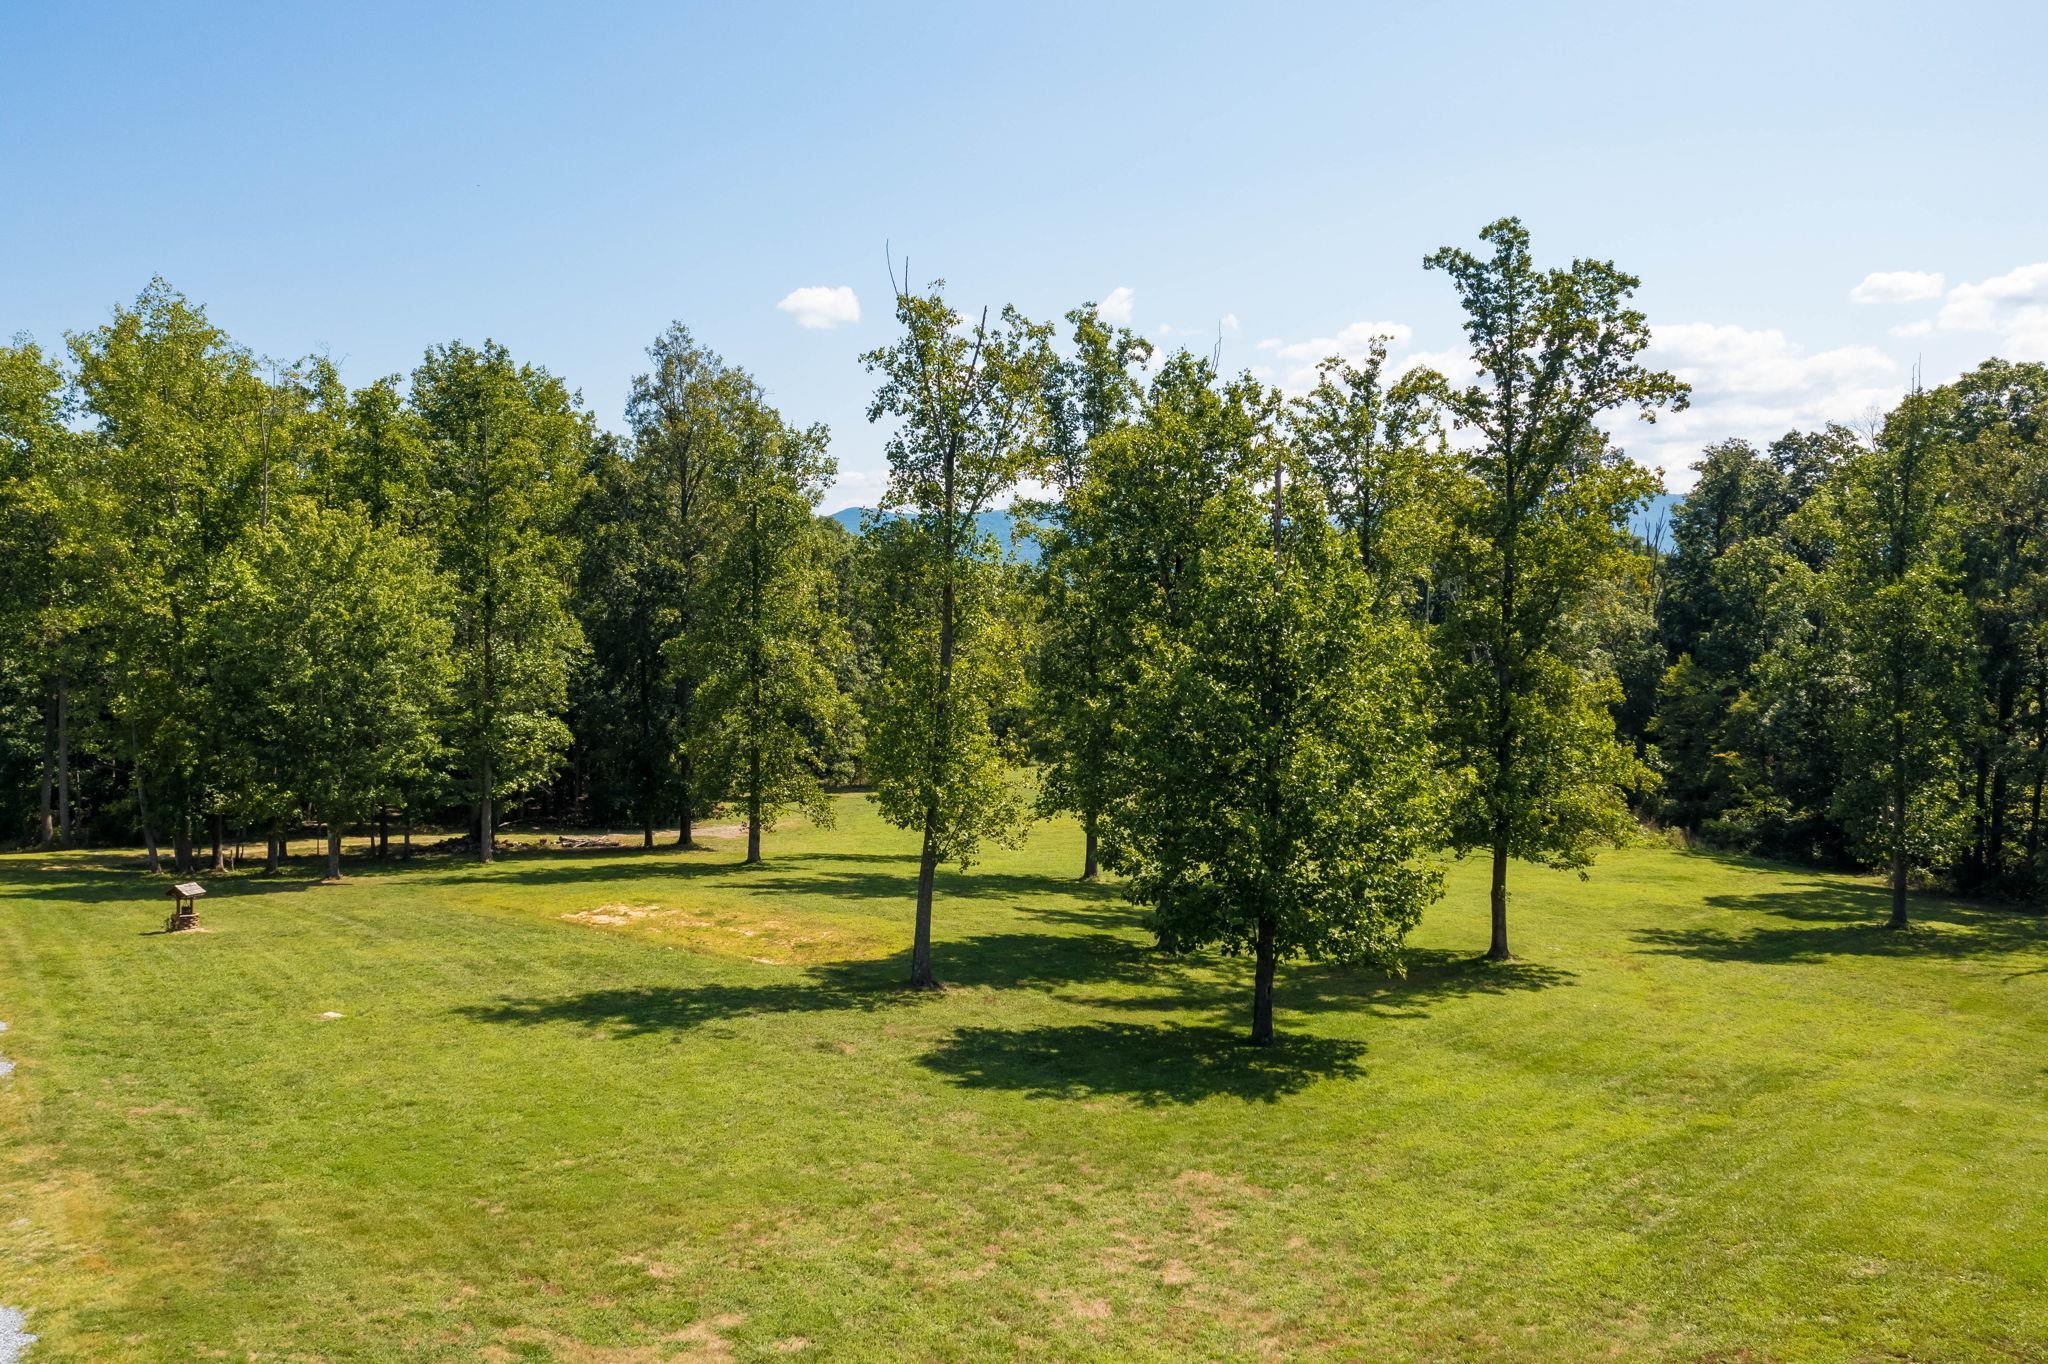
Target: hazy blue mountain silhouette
x=996, y=523
x=1652, y=524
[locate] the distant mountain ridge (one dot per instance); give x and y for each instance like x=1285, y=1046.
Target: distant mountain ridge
x=1652, y=525
x=997, y=523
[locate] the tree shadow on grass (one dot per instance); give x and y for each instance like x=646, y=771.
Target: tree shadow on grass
x=1821, y=916
x=1154, y=1064
x=98, y=878
x=858, y=876
x=1431, y=976
x=637, y=1012
x=995, y=960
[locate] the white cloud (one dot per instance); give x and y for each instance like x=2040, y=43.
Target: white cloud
x=1897, y=286
x=1116, y=308
x=1735, y=359
x=1229, y=323
x=1353, y=342
x=1912, y=329
x=821, y=307
x=1754, y=384
x=1455, y=365
x=2014, y=305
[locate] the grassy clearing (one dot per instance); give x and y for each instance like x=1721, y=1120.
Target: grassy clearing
x=1713, y=1113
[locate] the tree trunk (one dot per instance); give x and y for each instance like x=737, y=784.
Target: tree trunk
x=383, y=834
x=1898, y=919
x=1898, y=869
x=63, y=760
x=216, y=828
x=273, y=851
x=686, y=835
x=334, y=852
x=1262, y=985
x=1901, y=789
x=47, y=836
x=2001, y=797
x=408, y=836
x=2001, y=789
x=142, y=815
x=2034, y=818
x=181, y=847
x=1498, y=950
x=754, y=804
x=483, y=817
x=921, y=977
x=1089, y=870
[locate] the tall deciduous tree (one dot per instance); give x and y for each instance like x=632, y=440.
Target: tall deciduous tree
x=177, y=482
x=1893, y=597
x=968, y=402
x=506, y=458
x=40, y=596
x=684, y=413
x=1995, y=419
x=1091, y=392
x=346, y=634
x=772, y=645
x=626, y=715
x=1280, y=794
x=1541, y=518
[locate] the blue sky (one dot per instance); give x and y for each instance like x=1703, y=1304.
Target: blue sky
x=367, y=179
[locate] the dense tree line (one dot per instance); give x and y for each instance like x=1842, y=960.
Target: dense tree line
x=1277, y=655
x=245, y=600
x=1857, y=628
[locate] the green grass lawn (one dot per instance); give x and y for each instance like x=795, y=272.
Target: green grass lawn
x=650, y=1106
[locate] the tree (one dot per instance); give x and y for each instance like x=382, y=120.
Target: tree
x=625, y=717
x=175, y=482
x=1995, y=420
x=1746, y=755
x=506, y=456
x=1540, y=521
x=1279, y=791
x=969, y=406
x=40, y=598
x=1374, y=445
x=772, y=644
x=684, y=413
x=345, y=631
x=1892, y=596
x=1089, y=394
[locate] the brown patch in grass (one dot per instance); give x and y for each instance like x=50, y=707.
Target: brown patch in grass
x=765, y=938
x=1209, y=1197
x=701, y=1342
x=654, y=1269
